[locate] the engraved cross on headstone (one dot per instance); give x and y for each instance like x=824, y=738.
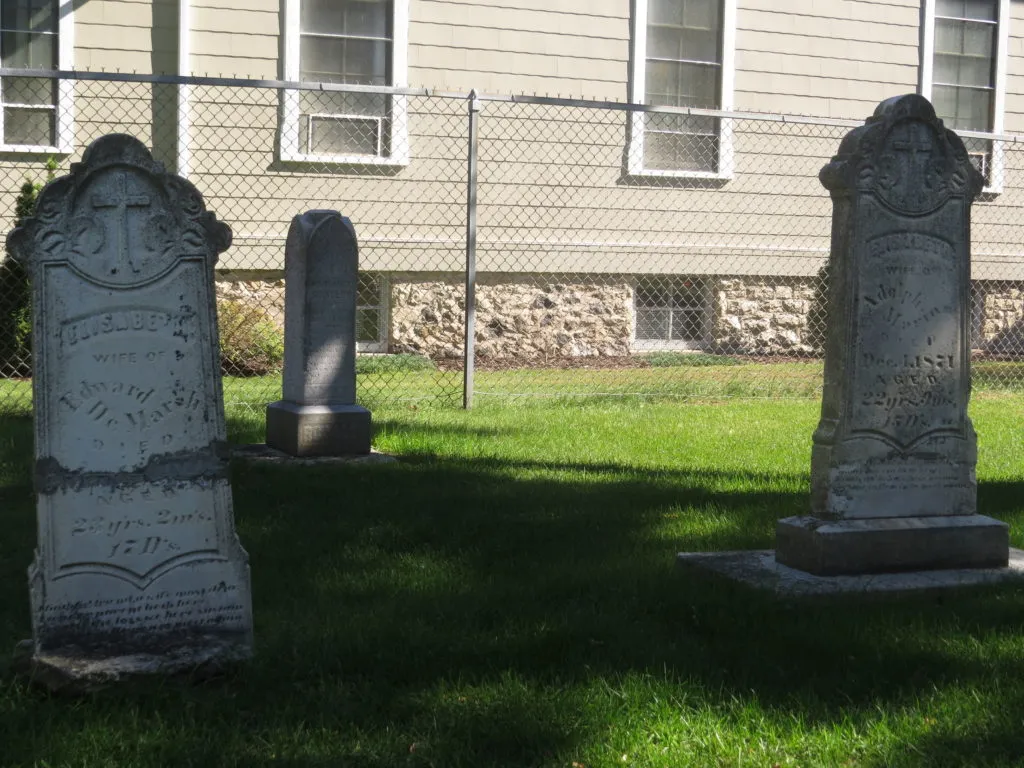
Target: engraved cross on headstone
x=917, y=145
x=122, y=201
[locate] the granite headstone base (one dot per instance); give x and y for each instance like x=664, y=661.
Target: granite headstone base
x=759, y=569
x=318, y=430
x=81, y=671
x=889, y=545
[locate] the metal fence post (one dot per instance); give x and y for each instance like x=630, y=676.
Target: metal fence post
x=468, y=348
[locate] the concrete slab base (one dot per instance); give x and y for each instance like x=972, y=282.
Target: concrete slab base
x=758, y=568
x=885, y=545
x=261, y=452
x=318, y=430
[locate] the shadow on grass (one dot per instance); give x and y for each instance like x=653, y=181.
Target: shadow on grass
x=457, y=612
x=250, y=427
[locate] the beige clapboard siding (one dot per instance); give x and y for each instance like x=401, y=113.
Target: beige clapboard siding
x=126, y=36
x=1014, y=113
x=232, y=38
x=833, y=58
x=552, y=180
x=550, y=46
x=697, y=260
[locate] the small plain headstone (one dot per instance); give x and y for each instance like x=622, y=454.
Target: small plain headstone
x=138, y=568
x=893, y=461
x=318, y=415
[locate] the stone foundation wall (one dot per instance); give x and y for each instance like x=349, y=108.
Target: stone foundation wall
x=254, y=289
x=763, y=316
x=1002, y=320
x=526, y=317
x=426, y=315
x=535, y=317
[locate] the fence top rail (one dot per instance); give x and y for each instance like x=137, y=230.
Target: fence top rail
x=619, y=106
x=238, y=82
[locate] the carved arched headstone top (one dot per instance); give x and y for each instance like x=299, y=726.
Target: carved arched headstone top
x=119, y=219
x=906, y=156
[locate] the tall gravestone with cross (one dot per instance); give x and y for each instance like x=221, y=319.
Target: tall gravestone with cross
x=138, y=567
x=893, y=460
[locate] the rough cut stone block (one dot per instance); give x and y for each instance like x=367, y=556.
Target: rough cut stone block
x=137, y=555
x=889, y=545
x=317, y=415
x=894, y=439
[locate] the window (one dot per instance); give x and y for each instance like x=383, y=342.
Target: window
x=671, y=312
x=349, y=42
x=683, y=56
x=36, y=111
x=371, y=313
x=963, y=73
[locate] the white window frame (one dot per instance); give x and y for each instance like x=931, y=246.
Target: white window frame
x=924, y=87
x=381, y=344
x=398, y=140
x=638, y=91
x=655, y=345
x=65, y=108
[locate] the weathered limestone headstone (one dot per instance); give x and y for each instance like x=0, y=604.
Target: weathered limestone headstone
x=138, y=568
x=892, y=470
x=318, y=415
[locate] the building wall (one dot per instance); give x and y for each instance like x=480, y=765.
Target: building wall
x=236, y=38
x=830, y=58
x=553, y=193
x=518, y=317
x=834, y=58
x=126, y=36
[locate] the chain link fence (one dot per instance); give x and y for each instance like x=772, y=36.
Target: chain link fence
x=610, y=250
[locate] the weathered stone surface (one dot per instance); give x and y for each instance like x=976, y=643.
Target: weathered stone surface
x=894, y=439
x=763, y=316
x=526, y=317
x=255, y=289
x=318, y=414
x=137, y=553
x=1002, y=318
x=427, y=315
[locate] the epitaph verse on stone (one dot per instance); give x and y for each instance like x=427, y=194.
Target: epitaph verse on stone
x=894, y=440
x=318, y=415
x=137, y=552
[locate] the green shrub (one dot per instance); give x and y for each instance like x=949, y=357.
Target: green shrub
x=393, y=363
x=251, y=344
x=15, y=290
x=687, y=359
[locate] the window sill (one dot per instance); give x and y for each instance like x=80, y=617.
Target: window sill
x=650, y=173
x=655, y=345
x=33, y=149
x=397, y=161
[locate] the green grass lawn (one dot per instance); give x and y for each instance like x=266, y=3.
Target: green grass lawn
x=506, y=595
x=391, y=380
